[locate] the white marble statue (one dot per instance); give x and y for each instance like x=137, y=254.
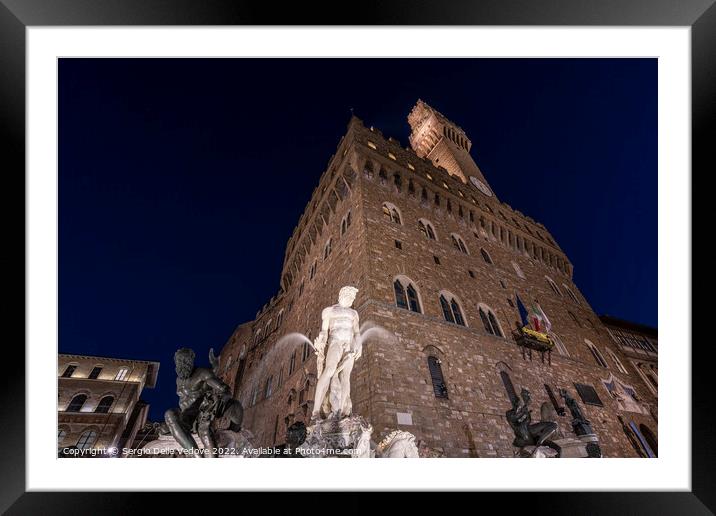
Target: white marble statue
x=337, y=346
x=398, y=444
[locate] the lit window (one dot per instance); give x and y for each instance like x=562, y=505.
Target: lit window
x=429, y=176
x=87, y=440
x=411, y=167
x=122, y=374
x=445, y=185
x=372, y=145
x=391, y=156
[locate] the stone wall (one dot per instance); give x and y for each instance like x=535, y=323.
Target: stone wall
x=392, y=379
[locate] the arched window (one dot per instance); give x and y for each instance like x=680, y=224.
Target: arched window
x=391, y=213
x=518, y=271
x=436, y=375
x=597, y=355
x=77, y=403
x=69, y=371
x=327, y=249
x=451, y=309
x=268, y=389
x=571, y=294
x=104, y=405
x=618, y=362
x=279, y=318
x=489, y=321
x=650, y=438
x=561, y=348
x=406, y=295
x=458, y=243
x=426, y=228
x=292, y=363
x=345, y=223
x=312, y=271
x=486, y=256
x=95, y=372
x=574, y=318
x=553, y=285
x=86, y=440
x=122, y=374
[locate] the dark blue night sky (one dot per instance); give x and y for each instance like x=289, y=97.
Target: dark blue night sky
x=180, y=181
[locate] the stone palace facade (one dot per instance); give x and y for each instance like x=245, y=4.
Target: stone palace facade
x=439, y=262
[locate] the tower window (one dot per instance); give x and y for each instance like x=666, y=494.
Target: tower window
x=398, y=244
x=426, y=228
x=391, y=213
x=406, y=295
x=451, y=309
x=553, y=286
x=436, y=376
x=95, y=372
x=122, y=374
x=486, y=256
x=436, y=259
x=458, y=243
x=489, y=321
x=597, y=355
x=292, y=363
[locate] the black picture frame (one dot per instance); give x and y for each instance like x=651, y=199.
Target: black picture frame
x=17, y=15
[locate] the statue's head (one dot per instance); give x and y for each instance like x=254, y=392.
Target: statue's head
x=346, y=296
x=525, y=395
x=184, y=362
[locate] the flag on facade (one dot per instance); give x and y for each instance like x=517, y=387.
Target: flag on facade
x=536, y=318
x=523, y=312
x=547, y=324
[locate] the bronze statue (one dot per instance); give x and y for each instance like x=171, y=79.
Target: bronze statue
x=202, y=398
x=527, y=433
x=580, y=424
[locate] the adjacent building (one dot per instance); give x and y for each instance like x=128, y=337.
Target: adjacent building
x=99, y=405
x=439, y=262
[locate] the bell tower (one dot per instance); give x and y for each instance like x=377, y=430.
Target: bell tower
x=444, y=143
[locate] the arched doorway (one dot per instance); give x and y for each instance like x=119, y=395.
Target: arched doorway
x=650, y=438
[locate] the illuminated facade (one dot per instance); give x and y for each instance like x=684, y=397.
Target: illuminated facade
x=99, y=405
x=439, y=262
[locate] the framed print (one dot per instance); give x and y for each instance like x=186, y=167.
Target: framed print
x=448, y=236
